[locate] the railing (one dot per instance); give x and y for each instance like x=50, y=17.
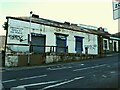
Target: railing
x=51, y=48
x=44, y=48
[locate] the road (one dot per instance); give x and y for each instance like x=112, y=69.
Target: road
x=97, y=73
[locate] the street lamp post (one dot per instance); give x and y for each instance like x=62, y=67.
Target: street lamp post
x=29, y=38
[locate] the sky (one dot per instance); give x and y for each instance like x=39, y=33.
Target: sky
x=97, y=13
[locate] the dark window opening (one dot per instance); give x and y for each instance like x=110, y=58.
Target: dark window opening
x=78, y=44
x=105, y=44
x=115, y=50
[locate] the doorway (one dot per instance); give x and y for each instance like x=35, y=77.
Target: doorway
x=38, y=43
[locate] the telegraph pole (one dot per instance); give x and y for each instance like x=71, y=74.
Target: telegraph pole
x=29, y=38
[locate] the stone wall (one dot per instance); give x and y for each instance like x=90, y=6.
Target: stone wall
x=66, y=57
x=11, y=60
x=44, y=58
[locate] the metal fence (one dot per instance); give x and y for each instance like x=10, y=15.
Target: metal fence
x=40, y=48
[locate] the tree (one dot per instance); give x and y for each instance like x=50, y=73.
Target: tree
x=5, y=25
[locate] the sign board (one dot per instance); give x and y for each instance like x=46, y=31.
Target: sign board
x=116, y=9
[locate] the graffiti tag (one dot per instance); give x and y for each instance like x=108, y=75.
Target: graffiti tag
x=91, y=46
x=15, y=37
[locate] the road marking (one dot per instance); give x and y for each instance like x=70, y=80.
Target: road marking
x=58, y=68
x=65, y=82
x=112, y=72
x=9, y=81
x=104, y=76
x=81, y=64
x=1, y=86
x=24, y=78
x=42, y=83
x=89, y=67
x=17, y=88
x=33, y=77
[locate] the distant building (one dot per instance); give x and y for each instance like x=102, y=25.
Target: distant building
x=2, y=42
x=118, y=36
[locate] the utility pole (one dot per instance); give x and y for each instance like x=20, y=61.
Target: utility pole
x=29, y=38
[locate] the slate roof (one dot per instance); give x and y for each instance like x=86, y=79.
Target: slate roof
x=65, y=25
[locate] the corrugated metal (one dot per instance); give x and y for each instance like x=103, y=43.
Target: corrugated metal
x=38, y=43
x=61, y=43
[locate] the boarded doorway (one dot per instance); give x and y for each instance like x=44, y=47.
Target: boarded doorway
x=78, y=44
x=61, y=44
x=38, y=43
x=115, y=48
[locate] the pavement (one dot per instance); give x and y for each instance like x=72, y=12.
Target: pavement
x=3, y=69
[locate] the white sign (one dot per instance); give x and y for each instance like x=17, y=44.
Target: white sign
x=116, y=9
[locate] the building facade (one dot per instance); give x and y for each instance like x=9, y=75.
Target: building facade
x=68, y=38
x=33, y=35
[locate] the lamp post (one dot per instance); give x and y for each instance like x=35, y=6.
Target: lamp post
x=29, y=38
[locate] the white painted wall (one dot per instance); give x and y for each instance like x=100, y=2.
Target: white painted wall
x=90, y=40
x=21, y=29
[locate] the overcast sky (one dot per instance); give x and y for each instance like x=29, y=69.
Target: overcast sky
x=90, y=12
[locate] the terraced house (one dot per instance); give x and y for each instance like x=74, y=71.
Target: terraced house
x=37, y=40
x=107, y=43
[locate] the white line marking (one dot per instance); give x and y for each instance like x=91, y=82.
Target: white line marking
x=104, y=76
x=24, y=78
x=33, y=77
x=9, y=81
x=42, y=83
x=13, y=88
x=65, y=82
x=1, y=86
x=112, y=72
x=89, y=67
x=81, y=64
x=58, y=68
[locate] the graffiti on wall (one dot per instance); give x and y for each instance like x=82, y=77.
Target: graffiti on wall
x=16, y=30
x=92, y=47
x=15, y=37
x=16, y=33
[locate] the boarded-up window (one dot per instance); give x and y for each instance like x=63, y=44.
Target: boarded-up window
x=61, y=43
x=38, y=43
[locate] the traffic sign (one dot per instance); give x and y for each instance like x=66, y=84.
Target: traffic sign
x=116, y=9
